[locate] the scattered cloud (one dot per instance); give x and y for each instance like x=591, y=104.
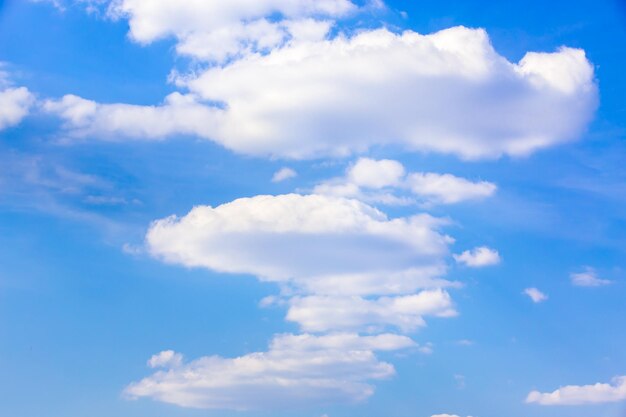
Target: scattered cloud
x=296, y=370
x=588, y=278
x=478, y=257
x=386, y=181
x=535, y=295
x=447, y=92
x=578, y=395
x=284, y=174
x=15, y=104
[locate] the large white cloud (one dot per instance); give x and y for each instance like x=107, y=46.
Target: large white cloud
x=296, y=370
x=15, y=104
x=308, y=240
x=585, y=394
x=446, y=92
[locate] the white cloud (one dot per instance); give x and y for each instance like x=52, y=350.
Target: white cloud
x=448, y=189
x=586, y=394
x=535, y=295
x=305, y=240
x=446, y=92
x=370, y=173
x=386, y=181
x=588, y=278
x=15, y=104
x=296, y=370
x=179, y=114
x=328, y=313
x=284, y=174
x=166, y=359
x=478, y=257
x=215, y=30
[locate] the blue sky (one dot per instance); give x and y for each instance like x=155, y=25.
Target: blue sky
x=447, y=236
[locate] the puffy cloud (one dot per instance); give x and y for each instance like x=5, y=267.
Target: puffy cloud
x=296, y=370
x=215, y=30
x=535, y=295
x=588, y=278
x=166, y=359
x=284, y=174
x=586, y=394
x=328, y=313
x=478, y=257
x=385, y=181
x=15, y=104
x=447, y=92
x=308, y=240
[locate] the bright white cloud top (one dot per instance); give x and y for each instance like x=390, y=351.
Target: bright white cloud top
x=296, y=370
x=579, y=395
x=215, y=30
x=447, y=92
x=299, y=238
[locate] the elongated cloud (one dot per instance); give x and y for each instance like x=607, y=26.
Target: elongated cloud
x=386, y=181
x=447, y=92
x=300, y=238
x=328, y=313
x=296, y=370
x=588, y=278
x=579, y=395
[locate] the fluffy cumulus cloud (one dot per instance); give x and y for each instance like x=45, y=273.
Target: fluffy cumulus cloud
x=588, y=278
x=303, y=239
x=386, y=181
x=579, y=395
x=215, y=30
x=15, y=102
x=342, y=265
x=297, y=370
x=535, y=295
x=446, y=92
x=478, y=257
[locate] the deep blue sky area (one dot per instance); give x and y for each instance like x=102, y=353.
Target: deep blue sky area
x=84, y=305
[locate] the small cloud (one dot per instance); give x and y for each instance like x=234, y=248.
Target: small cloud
x=578, y=395
x=588, y=278
x=465, y=342
x=478, y=257
x=535, y=295
x=132, y=249
x=460, y=381
x=284, y=174
x=166, y=359
x=427, y=349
